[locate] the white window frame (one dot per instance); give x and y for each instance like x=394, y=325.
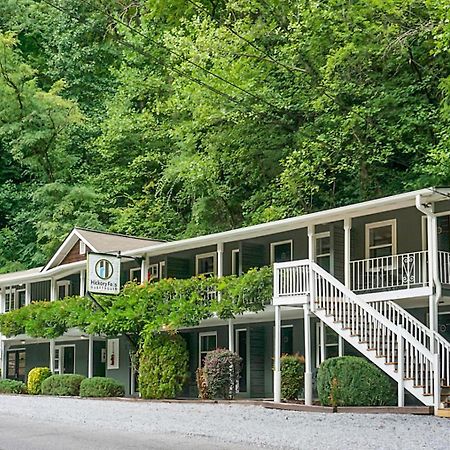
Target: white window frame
x=200, y=335
x=162, y=266
x=373, y=225
x=66, y=284
x=82, y=248
x=153, y=272
x=11, y=291
x=204, y=256
x=133, y=271
x=275, y=244
x=60, y=358
x=16, y=297
x=234, y=269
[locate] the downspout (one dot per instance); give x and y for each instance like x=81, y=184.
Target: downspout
x=433, y=258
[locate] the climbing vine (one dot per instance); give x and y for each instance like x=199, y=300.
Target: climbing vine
x=169, y=304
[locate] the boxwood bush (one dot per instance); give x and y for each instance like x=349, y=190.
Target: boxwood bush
x=12, y=387
x=353, y=381
x=35, y=378
x=101, y=387
x=163, y=365
x=222, y=368
x=66, y=385
x=292, y=376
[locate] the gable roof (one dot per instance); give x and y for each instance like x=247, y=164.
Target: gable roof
x=99, y=242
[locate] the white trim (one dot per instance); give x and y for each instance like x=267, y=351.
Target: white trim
x=162, y=266
x=275, y=244
x=204, y=256
x=373, y=225
x=247, y=352
x=153, y=271
x=200, y=335
x=82, y=247
x=234, y=269
x=16, y=297
x=61, y=349
x=135, y=270
x=66, y=284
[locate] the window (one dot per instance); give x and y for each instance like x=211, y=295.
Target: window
x=331, y=343
x=381, y=239
x=63, y=288
x=162, y=270
x=135, y=274
x=235, y=262
x=207, y=342
x=323, y=250
x=10, y=299
x=281, y=251
x=287, y=340
x=20, y=298
x=153, y=272
x=16, y=365
x=82, y=248
x=206, y=264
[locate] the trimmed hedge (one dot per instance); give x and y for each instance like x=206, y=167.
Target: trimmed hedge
x=353, y=381
x=64, y=385
x=12, y=387
x=35, y=378
x=163, y=365
x=101, y=387
x=292, y=376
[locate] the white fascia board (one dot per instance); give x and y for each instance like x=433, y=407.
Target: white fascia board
x=359, y=209
x=66, y=269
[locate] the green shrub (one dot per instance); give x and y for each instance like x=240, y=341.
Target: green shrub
x=101, y=387
x=353, y=381
x=292, y=376
x=12, y=387
x=66, y=385
x=35, y=378
x=163, y=365
x=222, y=368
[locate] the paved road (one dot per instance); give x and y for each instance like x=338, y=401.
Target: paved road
x=38, y=423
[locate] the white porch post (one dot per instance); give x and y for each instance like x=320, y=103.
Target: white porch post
x=323, y=354
x=277, y=356
x=27, y=293
x=400, y=371
x=308, y=362
x=82, y=282
x=53, y=291
x=347, y=272
x=52, y=355
x=2, y=299
x=91, y=356
x=230, y=336
x=432, y=300
x=144, y=269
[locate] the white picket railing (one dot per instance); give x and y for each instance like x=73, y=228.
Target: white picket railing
x=329, y=297
x=431, y=340
x=444, y=267
x=403, y=271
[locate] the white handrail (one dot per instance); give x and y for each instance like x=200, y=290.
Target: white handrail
x=388, y=340
x=427, y=337
x=405, y=270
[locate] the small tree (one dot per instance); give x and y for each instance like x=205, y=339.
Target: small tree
x=292, y=376
x=222, y=368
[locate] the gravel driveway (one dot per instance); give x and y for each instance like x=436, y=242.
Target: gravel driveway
x=217, y=426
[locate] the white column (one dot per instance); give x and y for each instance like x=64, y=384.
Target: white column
x=277, y=356
x=52, y=356
x=53, y=290
x=308, y=362
x=230, y=335
x=91, y=356
x=347, y=247
x=311, y=247
x=432, y=303
x=340, y=346
x=220, y=259
x=2, y=299
x=27, y=293
x=400, y=371
x=144, y=269
x=322, y=342
x=82, y=282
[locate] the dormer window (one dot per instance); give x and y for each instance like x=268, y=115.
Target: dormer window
x=82, y=248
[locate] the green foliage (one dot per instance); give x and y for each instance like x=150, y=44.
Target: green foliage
x=62, y=385
x=35, y=378
x=292, y=376
x=163, y=365
x=222, y=368
x=12, y=387
x=101, y=387
x=353, y=381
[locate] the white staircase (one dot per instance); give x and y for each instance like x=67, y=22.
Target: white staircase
x=405, y=349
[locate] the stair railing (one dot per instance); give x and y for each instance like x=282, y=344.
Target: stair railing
x=428, y=338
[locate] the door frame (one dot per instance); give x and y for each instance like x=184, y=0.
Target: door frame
x=61, y=348
x=247, y=349
x=16, y=351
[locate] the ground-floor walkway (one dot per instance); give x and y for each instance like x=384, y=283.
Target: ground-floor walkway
x=33, y=423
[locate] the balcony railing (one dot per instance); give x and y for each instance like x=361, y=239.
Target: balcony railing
x=404, y=271
x=444, y=267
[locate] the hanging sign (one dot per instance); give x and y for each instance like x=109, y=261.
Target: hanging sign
x=103, y=274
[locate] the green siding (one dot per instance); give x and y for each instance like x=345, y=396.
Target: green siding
x=257, y=360
x=251, y=255
x=178, y=267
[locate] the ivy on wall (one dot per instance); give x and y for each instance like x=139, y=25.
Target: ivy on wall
x=142, y=309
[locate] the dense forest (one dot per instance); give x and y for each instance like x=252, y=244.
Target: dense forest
x=173, y=118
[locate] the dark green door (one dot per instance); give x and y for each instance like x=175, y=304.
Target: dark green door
x=257, y=360
x=16, y=365
x=69, y=360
